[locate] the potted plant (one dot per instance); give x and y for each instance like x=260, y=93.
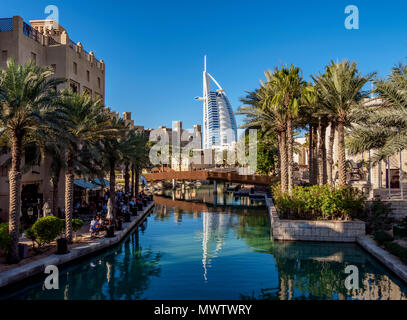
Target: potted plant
x=47, y=229
x=110, y=231
x=119, y=224
x=77, y=224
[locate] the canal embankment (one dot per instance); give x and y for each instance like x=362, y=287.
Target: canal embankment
x=36, y=267
x=332, y=231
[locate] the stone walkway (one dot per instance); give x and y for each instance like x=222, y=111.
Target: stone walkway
x=83, y=245
x=389, y=260
x=81, y=237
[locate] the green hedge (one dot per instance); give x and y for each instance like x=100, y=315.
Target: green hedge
x=382, y=237
x=77, y=224
x=397, y=250
x=319, y=202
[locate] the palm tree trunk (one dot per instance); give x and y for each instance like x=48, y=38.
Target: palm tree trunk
x=341, y=153
x=314, y=154
x=113, y=188
x=324, y=165
x=126, y=178
x=15, y=196
x=330, y=158
x=278, y=169
x=284, y=164
x=290, y=155
x=69, y=182
x=132, y=180
x=136, y=184
x=310, y=155
x=322, y=153
x=55, y=193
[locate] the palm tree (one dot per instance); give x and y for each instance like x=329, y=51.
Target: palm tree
x=134, y=158
x=116, y=150
x=309, y=108
x=382, y=123
x=88, y=122
x=261, y=113
x=27, y=95
x=141, y=160
x=287, y=85
x=341, y=89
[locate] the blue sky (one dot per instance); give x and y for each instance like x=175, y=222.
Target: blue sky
x=154, y=50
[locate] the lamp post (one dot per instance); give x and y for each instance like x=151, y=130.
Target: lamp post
x=30, y=213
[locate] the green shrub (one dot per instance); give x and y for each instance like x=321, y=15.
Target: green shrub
x=397, y=250
x=30, y=234
x=47, y=229
x=319, y=202
x=77, y=224
x=382, y=237
x=5, y=238
x=377, y=216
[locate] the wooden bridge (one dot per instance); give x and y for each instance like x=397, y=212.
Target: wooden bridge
x=232, y=177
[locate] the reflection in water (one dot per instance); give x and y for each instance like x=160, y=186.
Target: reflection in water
x=215, y=227
x=123, y=273
x=316, y=271
x=194, y=250
x=206, y=196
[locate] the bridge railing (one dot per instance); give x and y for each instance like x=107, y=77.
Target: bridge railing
x=210, y=175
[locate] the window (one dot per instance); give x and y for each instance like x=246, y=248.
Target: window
x=34, y=57
x=88, y=75
x=98, y=82
x=74, y=86
x=3, y=171
x=4, y=55
x=75, y=68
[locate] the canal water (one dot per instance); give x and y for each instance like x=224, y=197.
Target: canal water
x=195, y=245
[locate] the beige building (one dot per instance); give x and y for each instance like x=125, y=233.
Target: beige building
x=177, y=162
x=48, y=44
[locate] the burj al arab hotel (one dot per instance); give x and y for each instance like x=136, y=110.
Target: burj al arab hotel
x=219, y=123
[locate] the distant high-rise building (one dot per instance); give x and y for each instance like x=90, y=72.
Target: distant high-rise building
x=219, y=123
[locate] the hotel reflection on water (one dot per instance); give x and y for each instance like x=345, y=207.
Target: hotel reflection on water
x=215, y=228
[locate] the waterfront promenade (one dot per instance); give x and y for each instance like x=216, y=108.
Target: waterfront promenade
x=36, y=267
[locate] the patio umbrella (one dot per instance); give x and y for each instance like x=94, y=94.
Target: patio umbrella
x=109, y=215
x=46, y=209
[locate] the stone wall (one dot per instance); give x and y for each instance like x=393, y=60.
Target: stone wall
x=307, y=230
x=399, y=208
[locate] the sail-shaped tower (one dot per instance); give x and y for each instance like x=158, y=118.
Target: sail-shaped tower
x=219, y=123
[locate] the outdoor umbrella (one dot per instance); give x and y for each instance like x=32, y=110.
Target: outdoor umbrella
x=46, y=209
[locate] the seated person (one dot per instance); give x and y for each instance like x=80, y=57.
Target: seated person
x=94, y=226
